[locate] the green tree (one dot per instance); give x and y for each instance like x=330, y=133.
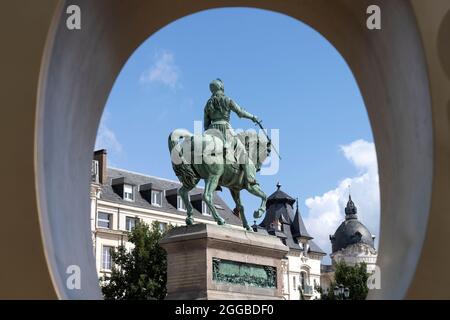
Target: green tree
x=140, y=273
x=353, y=277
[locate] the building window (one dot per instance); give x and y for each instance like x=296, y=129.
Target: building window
x=104, y=220
x=106, y=257
x=162, y=227
x=205, y=209
x=130, y=223
x=128, y=192
x=157, y=198
x=303, y=279
x=180, y=204
x=294, y=282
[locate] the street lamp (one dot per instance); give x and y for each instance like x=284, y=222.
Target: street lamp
x=341, y=292
x=346, y=293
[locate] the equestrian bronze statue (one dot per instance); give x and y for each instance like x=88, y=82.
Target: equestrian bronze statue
x=220, y=156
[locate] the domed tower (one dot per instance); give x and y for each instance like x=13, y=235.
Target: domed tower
x=352, y=242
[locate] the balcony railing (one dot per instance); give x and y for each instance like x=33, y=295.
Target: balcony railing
x=308, y=290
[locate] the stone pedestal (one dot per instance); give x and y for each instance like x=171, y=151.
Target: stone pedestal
x=207, y=261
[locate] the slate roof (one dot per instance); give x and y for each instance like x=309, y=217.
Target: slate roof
x=298, y=226
x=279, y=207
x=313, y=247
x=351, y=231
x=108, y=194
x=287, y=239
x=277, y=211
x=279, y=197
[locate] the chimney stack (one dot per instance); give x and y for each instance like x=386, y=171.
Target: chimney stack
x=101, y=156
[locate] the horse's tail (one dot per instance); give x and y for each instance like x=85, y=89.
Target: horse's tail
x=182, y=167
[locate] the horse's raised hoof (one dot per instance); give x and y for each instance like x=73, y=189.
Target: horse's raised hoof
x=221, y=222
x=189, y=221
x=258, y=214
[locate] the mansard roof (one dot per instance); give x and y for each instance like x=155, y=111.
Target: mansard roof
x=279, y=197
x=157, y=183
x=298, y=226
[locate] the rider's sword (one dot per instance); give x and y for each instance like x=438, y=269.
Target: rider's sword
x=270, y=141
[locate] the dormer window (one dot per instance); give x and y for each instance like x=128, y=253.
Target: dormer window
x=205, y=209
x=124, y=188
x=157, y=198
x=128, y=192
x=180, y=204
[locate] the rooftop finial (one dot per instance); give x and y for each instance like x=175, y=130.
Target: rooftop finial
x=350, y=209
x=278, y=185
x=349, y=192
x=296, y=200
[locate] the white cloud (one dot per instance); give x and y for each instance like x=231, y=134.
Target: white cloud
x=326, y=211
x=164, y=70
x=106, y=138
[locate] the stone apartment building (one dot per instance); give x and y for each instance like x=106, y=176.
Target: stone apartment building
x=120, y=198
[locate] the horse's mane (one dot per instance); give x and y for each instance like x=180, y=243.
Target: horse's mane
x=256, y=145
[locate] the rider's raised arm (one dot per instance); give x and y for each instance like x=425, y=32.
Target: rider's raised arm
x=241, y=112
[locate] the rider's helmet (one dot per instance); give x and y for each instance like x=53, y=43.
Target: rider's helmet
x=216, y=85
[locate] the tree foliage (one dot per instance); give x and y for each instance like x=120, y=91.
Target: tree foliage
x=353, y=277
x=139, y=273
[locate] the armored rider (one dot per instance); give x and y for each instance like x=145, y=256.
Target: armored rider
x=217, y=118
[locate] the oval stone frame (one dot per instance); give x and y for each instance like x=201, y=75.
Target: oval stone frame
x=80, y=67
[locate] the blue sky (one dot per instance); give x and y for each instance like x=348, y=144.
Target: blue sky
x=276, y=68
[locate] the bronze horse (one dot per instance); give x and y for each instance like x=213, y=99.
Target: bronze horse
x=205, y=157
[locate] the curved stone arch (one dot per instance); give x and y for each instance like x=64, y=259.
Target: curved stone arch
x=79, y=68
